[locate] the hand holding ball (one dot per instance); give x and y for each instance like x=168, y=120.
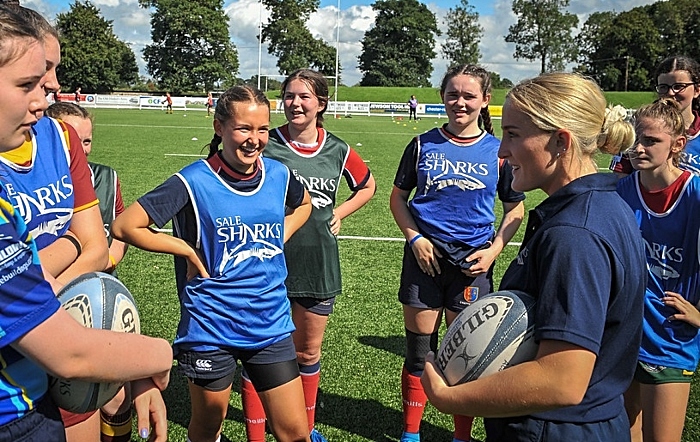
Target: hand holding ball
x=493, y=333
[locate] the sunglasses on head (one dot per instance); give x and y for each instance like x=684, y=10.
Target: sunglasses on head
x=677, y=88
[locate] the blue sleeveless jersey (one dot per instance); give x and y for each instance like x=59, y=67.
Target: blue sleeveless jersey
x=673, y=264
x=240, y=236
x=690, y=157
x=450, y=172
x=42, y=192
x=26, y=300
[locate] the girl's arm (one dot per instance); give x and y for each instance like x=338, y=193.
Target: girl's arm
x=358, y=199
x=513, y=214
x=297, y=217
x=133, y=227
x=87, y=226
x=66, y=349
x=422, y=248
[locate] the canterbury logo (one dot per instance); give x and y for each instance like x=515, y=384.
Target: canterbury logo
x=203, y=364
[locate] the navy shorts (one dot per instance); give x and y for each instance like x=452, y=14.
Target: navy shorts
x=43, y=424
x=529, y=429
x=322, y=307
x=451, y=289
x=214, y=370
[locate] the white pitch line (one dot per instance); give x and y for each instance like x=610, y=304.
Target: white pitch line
x=359, y=238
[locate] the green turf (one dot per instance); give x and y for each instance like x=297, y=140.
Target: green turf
x=359, y=397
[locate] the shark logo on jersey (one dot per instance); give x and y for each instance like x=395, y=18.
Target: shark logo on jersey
x=251, y=241
x=53, y=226
x=663, y=256
x=465, y=182
x=461, y=173
x=319, y=189
x=319, y=199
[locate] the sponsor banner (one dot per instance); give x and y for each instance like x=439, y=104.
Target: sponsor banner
x=388, y=107
x=117, y=100
x=348, y=107
x=151, y=101
x=435, y=109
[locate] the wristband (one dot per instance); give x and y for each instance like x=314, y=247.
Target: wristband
x=113, y=261
x=414, y=239
x=75, y=243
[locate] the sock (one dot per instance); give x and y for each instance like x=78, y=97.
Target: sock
x=253, y=412
x=310, y=377
x=115, y=428
x=414, y=400
x=463, y=427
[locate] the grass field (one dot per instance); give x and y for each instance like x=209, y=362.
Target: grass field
x=359, y=398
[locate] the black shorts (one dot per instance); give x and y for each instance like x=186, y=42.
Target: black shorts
x=323, y=307
x=451, y=289
x=43, y=424
x=214, y=370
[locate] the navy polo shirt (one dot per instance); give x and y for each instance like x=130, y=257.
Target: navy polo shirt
x=583, y=259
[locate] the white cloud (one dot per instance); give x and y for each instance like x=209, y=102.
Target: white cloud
x=132, y=24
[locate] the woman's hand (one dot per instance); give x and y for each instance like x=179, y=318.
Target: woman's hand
x=426, y=255
x=687, y=312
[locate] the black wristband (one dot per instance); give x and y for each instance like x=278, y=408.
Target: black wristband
x=75, y=242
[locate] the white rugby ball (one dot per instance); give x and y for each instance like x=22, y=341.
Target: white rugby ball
x=491, y=334
x=95, y=300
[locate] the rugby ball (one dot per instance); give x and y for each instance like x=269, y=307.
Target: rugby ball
x=95, y=300
x=491, y=334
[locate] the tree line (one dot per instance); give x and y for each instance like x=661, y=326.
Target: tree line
x=191, y=49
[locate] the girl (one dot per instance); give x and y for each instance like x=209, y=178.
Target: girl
x=38, y=335
x=662, y=196
x=229, y=220
x=677, y=78
x=451, y=243
x=582, y=258
x=318, y=159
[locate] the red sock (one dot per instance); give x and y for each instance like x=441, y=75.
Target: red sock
x=253, y=412
x=463, y=427
x=414, y=400
x=310, y=377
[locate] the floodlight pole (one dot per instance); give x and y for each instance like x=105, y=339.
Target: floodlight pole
x=337, y=57
x=260, y=8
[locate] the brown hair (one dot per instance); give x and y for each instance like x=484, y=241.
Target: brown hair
x=317, y=84
x=62, y=109
x=226, y=108
x=484, y=78
x=16, y=33
x=666, y=111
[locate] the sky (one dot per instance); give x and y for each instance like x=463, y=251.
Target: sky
x=132, y=25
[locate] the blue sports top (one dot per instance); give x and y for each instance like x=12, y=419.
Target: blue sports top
x=43, y=191
x=239, y=234
x=456, y=182
x=673, y=264
x=690, y=157
x=26, y=300
x=582, y=258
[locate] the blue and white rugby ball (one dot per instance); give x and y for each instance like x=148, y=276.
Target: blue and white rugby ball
x=493, y=333
x=95, y=300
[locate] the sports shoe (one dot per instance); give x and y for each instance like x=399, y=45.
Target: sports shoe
x=316, y=436
x=410, y=437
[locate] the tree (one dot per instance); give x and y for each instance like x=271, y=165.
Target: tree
x=291, y=41
x=92, y=57
x=191, y=49
x=543, y=32
x=398, y=49
x=463, y=34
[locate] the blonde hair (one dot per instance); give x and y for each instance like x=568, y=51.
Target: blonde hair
x=555, y=101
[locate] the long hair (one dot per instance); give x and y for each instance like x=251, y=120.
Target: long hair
x=226, y=108
x=317, y=84
x=484, y=78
